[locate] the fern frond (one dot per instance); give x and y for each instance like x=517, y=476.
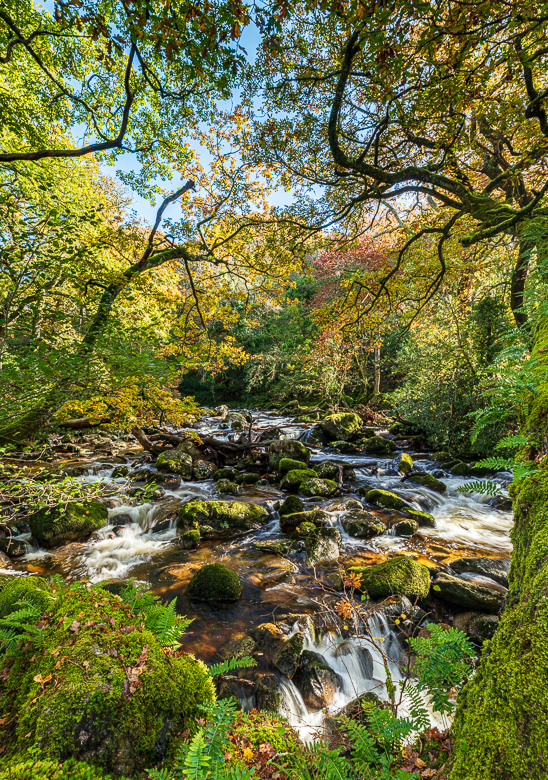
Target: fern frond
x=512, y=442
x=234, y=663
x=197, y=760
x=496, y=463
x=483, y=487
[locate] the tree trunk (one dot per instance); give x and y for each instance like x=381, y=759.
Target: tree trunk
x=377, y=364
x=500, y=728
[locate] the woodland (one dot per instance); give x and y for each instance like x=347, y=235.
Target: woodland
x=273, y=389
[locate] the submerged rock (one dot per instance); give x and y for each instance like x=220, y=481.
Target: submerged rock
x=322, y=545
x=220, y=519
x=479, y=596
x=399, y=576
x=215, y=583
x=71, y=523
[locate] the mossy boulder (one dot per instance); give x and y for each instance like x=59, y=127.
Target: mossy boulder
x=215, y=584
x=290, y=505
x=290, y=522
x=190, y=539
x=226, y=473
x=315, y=487
x=386, y=499
x=406, y=527
x=405, y=463
x=221, y=519
x=424, y=519
x=248, y=478
x=478, y=626
x=362, y=524
x=466, y=593
x=400, y=576
x=237, y=421
x=327, y=469
x=101, y=689
x=346, y=447
x=342, y=426
x=203, y=469
x=430, y=482
x=289, y=464
x=176, y=462
x=269, y=693
x=37, y=769
x=35, y=590
x=227, y=487
x=460, y=469
x=322, y=545
x=74, y=522
x=293, y=478
x=378, y=445
x=287, y=448
x=287, y=660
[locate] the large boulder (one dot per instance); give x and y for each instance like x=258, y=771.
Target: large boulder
x=269, y=693
x=101, y=689
x=215, y=584
x=424, y=519
x=203, y=469
x=342, y=426
x=327, y=469
x=406, y=527
x=480, y=596
x=405, y=463
x=386, y=499
x=287, y=660
x=322, y=545
x=377, y=445
x=400, y=576
x=176, y=462
x=293, y=478
x=488, y=567
x=362, y=524
x=322, y=488
x=477, y=625
x=290, y=505
x=290, y=522
x=289, y=464
x=287, y=448
x=221, y=519
x=237, y=421
x=316, y=681
x=71, y=523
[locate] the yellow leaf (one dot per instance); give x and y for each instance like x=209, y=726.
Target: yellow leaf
x=248, y=754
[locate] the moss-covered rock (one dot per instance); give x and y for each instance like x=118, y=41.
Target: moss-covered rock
x=287, y=448
x=190, y=539
x=405, y=463
x=386, y=499
x=362, y=524
x=430, y=482
x=226, y=473
x=317, y=517
x=248, y=478
x=269, y=693
x=35, y=590
x=203, y=469
x=287, y=660
x=227, y=487
x=293, y=478
x=37, y=769
x=406, y=527
x=215, y=583
x=289, y=464
x=237, y=421
x=378, y=445
x=399, y=576
x=322, y=545
x=460, y=469
x=478, y=626
x=74, y=522
x=346, y=447
x=341, y=426
x=424, y=519
x=176, y=462
x=323, y=488
x=497, y=570
x=316, y=681
x=290, y=505
x=466, y=593
x=327, y=469
x=221, y=519
x=100, y=689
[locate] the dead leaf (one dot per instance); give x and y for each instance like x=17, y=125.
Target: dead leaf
x=74, y=626
x=420, y=763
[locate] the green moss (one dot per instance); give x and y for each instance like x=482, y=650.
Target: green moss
x=406, y=528
x=424, y=519
x=290, y=505
x=190, y=539
x=260, y=728
x=215, y=583
x=399, y=576
x=217, y=519
x=430, y=482
x=327, y=469
x=289, y=464
x=227, y=487
x=293, y=478
x=386, y=499
x=341, y=426
x=287, y=448
x=33, y=589
x=324, y=488
x=405, y=463
x=33, y=769
x=226, y=473
x=459, y=469
x=52, y=527
x=99, y=688
x=176, y=462
x=378, y=444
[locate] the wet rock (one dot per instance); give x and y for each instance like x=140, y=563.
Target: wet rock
x=222, y=411
x=479, y=596
x=120, y=471
x=424, y=519
x=203, y=469
x=378, y=445
x=277, y=546
x=226, y=473
x=478, y=626
x=460, y=469
x=176, y=461
x=402, y=606
x=287, y=448
x=5, y=561
x=327, y=469
x=122, y=518
x=190, y=539
x=342, y=426
x=350, y=505
x=14, y=547
x=73, y=522
x=287, y=660
x=238, y=647
x=429, y=481
x=363, y=524
x=221, y=519
x=290, y=505
x=488, y=567
x=214, y=583
x=268, y=693
x=316, y=681
x=293, y=478
x=290, y=522
x=225, y=486
x=502, y=503
x=269, y=639
x=406, y=527
x=237, y=421
x=315, y=487
x=289, y=464
x=248, y=478
x=400, y=576
x=345, y=447
x=405, y=463
x=322, y=545
x=386, y=499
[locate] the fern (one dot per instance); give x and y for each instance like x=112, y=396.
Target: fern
x=496, y=463
x=20, y=623
x=197, y=759
x=483, y=487
x=419, y=713
x=162, y=620
x=228, y=666
x=512, y=442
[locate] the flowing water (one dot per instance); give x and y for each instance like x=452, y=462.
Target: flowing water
x=141, y=541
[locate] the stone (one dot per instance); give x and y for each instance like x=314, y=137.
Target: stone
x=13, y=547
x=290, y=522
x=379, y=445
x=327, y=469
x=488, y=567
x=293, y=478
x=221, y=519
x=322, y=545
x=424, y=519
x=477, y=625
x=323, y=488
x=287, y=448
x=222, y=411
x=276, y=546
x=429, y=481
x=203, y=469
x=362, y=524
x=478, y=596
x=399, y=576
x=70, y=523
x=214, y=583
x=342, y=426
x=345, y=447
x=237, y=421
x=460, y=469
x=225, y=486
x=226, y=473
x=386, y=499
x=190, y=539
x=268, y=693
x=287, y=660
x=288, y=464
x=316, y=681
x=269, y=639
x=406, y=527
x=290, y=505
x=405, y=463
x=175, y=461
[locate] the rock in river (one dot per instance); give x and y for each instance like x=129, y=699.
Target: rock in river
x=399, y=576
x=215, y=583
x=482, y=596
x=221, y=519
x=70, y=523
